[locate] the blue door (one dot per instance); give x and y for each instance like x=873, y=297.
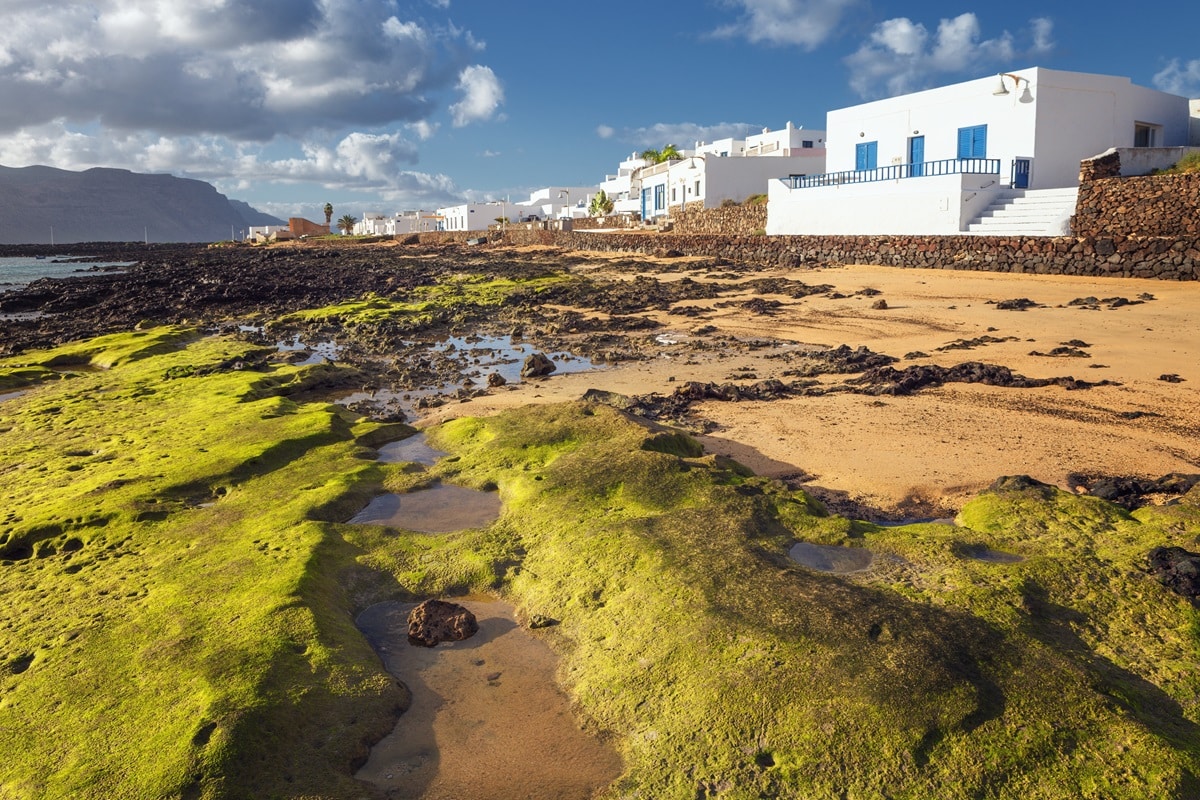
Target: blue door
x=916, y=156
x=1020, y=173
x=866, y=156
x=646, y=203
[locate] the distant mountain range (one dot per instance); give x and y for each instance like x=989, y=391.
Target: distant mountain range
x=40, y=205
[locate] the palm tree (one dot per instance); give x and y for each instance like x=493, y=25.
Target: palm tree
x=328, y=213
x=668, y=153
x=346, y=224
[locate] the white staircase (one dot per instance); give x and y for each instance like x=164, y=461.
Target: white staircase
x=1027, y=212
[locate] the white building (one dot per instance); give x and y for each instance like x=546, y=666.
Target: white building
x=262, y=233
x=619, y=187
x=476, y=216
x=729, y=169
x=554, y=202
x=932, y=161
x=376, y=224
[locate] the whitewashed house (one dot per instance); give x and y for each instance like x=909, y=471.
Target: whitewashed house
x=619, y=187
x=728, y=169
x=933, y=161
x=476, y=216
x=399, y=224
x=263, y=233
x=554, y=202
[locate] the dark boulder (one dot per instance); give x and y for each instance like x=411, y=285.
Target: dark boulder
x=1177, y=569
x=1022, y=483
x=536, y=366
x=437, y=621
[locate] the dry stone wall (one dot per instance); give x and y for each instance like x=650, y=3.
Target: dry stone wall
x=1152, y=205
x=1139, y=227
x=739, y=220
x=1161, y=257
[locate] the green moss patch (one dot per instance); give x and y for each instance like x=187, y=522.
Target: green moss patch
x=171, y=625
x=426, y=304
x=179, y=586
x=726, y=670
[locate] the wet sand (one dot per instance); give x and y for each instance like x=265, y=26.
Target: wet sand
x=487, y=718
x=923, y=455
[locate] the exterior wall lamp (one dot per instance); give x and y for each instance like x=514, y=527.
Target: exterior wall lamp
x=1002, y=90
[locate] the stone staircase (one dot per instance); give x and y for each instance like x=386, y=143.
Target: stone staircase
x=1027, y=212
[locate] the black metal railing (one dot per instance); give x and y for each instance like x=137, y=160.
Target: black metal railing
x=947, y=166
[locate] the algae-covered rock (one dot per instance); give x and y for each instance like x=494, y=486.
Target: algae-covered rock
x=1178, y=569
x=688, y=634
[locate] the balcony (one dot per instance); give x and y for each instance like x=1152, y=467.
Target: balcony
x=948, y=166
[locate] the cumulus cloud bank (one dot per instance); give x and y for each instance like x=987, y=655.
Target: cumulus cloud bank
x=805, y=23
x=200, y=86
x=681, y=134
x=902, y=56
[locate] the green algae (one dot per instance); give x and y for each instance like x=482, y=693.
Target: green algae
x=424, y=305
x=166, y=585
x=725, y=670
x=179, y=585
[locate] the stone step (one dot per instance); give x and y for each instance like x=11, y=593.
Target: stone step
x=1029, y=212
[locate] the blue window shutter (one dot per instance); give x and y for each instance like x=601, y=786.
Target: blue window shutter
x=972, y=142
x=866, y=155
x=964, y=142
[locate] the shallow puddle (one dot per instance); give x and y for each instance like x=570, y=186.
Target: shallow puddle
x=12, y=395
x=414, y=449
x=439, y=509
x=487, y=719
x=318, y=353
x=501, y=354
x=472, y=360
x=831, y=558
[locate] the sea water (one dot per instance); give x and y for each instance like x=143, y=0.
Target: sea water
x=18, y=272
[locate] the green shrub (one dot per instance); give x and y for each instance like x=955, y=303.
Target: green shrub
x=756, y=200
x=1190, y=163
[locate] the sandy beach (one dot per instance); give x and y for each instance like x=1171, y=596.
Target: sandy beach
x=922, y=455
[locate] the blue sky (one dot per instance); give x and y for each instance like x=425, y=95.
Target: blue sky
x=379, y=105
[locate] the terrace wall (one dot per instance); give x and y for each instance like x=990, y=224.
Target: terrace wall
x=1161, y=257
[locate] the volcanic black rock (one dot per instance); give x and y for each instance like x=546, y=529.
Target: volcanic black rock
x=1177, y=569
x=436, y=621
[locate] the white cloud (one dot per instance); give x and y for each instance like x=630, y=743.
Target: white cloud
x=424, y=129
x=1179, y=78
x=482, y=95
x=357, y=162
x=902, y=56
x=804, y=23
x=605, y=131
x=684, y=134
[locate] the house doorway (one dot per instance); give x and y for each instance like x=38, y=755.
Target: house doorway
x=1020, y=172
x=916, y=156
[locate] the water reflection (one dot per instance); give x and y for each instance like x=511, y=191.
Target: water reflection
x=831, y=558
x=439, y=509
